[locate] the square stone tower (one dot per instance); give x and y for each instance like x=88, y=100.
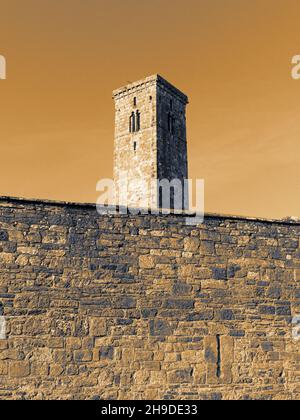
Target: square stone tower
x=150, y=141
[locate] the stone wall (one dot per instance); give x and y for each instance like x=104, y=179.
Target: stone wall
x=146, y=307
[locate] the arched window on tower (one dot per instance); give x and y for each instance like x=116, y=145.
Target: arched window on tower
x=132, y=123
x=135, y=122
x=138, y=120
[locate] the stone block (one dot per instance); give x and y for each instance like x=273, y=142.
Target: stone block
x=106, y=352
x=181, y=376
x=143, y=355
x=191, y=244
x=207, y=315
x=267, y=310
x=19, y=369
x=3, y=368
x=226, y=315
x=179, y=304
x=147, y=261
x=141, y=377
x=186, y=270
x=227, y=357
x=73, y=343
x=207, y=248
x=98, y=327
x=56, y=370
x=181, y=289
x=125, y=302
x=160, y=328
x=4, y=236
x=56, y=343
x=82, y=356
x=190, y=356
x=219, y=273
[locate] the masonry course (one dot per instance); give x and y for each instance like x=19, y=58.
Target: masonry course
x=145, y=307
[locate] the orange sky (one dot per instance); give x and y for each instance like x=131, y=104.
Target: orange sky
x=232, y=58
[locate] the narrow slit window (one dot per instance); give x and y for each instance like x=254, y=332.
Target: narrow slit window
x=135, y=146
x=169, y=122
x=218, y=373
x=134, y=101
x=173, y=125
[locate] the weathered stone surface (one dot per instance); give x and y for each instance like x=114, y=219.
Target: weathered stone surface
x=82, y=356
x=145, y=306
x=147, y=261
x=98, y=327
x=106, y=352
x=180, y=376
x=19, y=369
x=3, y=368
x=191, y=244
x=160, y=328
x=3, y=235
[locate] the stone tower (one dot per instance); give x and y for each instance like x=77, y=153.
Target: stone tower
x=150, y=141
